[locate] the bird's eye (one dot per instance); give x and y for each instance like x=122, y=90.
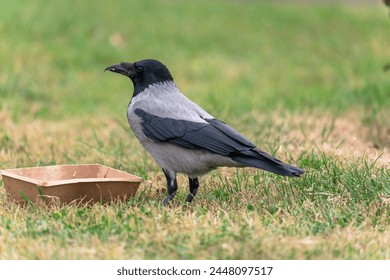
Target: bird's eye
x=139, y=68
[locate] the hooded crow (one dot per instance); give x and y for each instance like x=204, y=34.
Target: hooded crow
x=180, y=135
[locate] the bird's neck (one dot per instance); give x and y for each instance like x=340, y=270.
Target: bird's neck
x=162, y=87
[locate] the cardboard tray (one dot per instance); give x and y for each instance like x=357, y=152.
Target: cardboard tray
x=85, y=183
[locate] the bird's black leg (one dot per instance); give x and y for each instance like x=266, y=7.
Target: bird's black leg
x=194, y=185
x=171, y=186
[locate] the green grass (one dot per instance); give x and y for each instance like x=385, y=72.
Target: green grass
x=304, y=82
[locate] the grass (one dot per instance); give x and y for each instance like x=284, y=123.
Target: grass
x=304, y=82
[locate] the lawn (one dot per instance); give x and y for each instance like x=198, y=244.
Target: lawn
x=302, y=81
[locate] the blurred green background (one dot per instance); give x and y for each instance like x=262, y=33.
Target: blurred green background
x=231, y=57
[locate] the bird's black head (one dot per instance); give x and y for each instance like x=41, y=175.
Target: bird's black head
x=143, y=73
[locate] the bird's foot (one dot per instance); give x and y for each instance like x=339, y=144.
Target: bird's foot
x=168, y=198
x=190, y=197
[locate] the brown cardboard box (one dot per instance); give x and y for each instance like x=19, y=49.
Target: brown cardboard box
x=88, y=183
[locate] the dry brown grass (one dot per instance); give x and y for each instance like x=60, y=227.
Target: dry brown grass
x=345, y=136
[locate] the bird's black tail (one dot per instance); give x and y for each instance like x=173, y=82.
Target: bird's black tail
x=262, y=160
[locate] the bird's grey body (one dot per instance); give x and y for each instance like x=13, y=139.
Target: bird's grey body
x=180, y=135
x=166, y=101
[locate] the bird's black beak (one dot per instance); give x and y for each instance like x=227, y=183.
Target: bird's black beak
x=124, y=68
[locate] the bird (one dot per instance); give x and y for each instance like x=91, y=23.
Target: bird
x=181, y=136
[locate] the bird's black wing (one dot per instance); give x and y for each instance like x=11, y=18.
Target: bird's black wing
x=206, y=135
x=214, y=136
